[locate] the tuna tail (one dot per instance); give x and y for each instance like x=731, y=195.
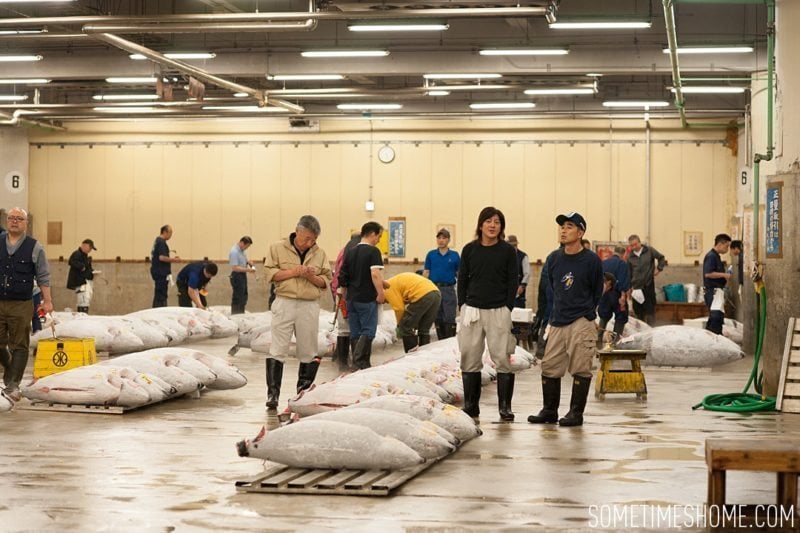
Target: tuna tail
x=261, y=434
x=241, y=448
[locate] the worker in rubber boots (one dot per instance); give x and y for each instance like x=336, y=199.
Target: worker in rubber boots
x=487, y=285
x=415, y=301
x=576, y=276
x=300, y=271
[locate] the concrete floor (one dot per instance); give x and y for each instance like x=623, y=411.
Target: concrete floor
x=173, y=466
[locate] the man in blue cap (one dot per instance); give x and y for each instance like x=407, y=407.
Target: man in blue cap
x=576, y=276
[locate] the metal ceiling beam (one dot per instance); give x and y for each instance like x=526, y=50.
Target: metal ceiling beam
x=200, y=74
x=103, y=23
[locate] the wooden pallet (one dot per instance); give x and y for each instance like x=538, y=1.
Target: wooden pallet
x=788, y=399
x=283, y=479
x=72, y=408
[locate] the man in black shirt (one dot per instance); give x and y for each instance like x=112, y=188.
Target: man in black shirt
x=576, y=276
x=487, y=285
x=80, y=274
x=361, y=278
x=714, y=280
x=161, y=266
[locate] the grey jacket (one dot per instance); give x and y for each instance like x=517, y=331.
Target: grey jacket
x=642, y=269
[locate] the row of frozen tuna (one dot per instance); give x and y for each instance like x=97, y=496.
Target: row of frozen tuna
x=137, y=379
x=384, y=432
x=682, y=346
x=255, y=332
x=142, y=330
x=431, y=371
x=386, y=417
x=731, y=329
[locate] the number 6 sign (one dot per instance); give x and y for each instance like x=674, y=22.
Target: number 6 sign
x=15, y=181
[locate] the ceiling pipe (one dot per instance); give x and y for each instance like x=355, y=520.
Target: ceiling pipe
x=672, y=40
x=13, y=119
x=200, y=74
x=100, y=24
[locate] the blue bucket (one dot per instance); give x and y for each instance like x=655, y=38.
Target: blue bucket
x=674, y=292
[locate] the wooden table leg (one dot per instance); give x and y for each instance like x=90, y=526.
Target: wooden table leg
x=716, y=489
x=787, y=489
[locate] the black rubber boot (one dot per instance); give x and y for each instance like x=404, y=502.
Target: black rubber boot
x=83, y=310
x=472, y=393
x=449, y=330
x=409, y=343
x=440, y=331
x=505, y=391
x=362, y=352
x=342, y=352
x=424, y=339
x=274, y=378
x=551, y=398
x=577, y=404
x=306, y=373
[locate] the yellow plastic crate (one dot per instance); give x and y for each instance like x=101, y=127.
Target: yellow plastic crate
x=60, y=354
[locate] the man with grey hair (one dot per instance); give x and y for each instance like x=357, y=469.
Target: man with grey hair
x=22, y=259
x=642, y=277
x=300, y=271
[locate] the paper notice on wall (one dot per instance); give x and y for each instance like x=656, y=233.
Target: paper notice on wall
x=638, y=296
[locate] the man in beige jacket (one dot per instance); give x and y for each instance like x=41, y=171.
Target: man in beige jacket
x=301, y=272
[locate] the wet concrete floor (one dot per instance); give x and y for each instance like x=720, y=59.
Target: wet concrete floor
x=172, y=467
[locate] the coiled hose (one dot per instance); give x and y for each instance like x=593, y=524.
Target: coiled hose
x=744, y=402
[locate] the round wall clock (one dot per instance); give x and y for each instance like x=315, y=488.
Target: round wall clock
x=386, y=154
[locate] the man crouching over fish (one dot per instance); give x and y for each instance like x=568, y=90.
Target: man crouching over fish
x=300, y=271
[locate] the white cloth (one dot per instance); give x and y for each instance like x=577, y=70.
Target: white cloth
x=469, y=315
x=638, y=295
x=84, y=294
x=718, y=303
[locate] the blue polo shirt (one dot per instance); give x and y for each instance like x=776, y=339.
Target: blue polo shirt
x=712, y=262
x=442, y=268
x=236, y=256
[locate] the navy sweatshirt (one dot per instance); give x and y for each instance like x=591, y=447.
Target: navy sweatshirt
x=577, y=282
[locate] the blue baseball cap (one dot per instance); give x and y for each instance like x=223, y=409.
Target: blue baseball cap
x=573, y=217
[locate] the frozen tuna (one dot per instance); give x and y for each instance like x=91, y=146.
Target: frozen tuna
x=163, y=366
x=423, y=437
x=90, y=385
x=451, y=419
x=682, y=346
x=6, y=403
x=328, y=444
x=336, y=394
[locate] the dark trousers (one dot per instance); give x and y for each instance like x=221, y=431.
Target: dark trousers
x=239, y=292
x=15, y=332
x=183, y=296
x=646, y=311
x=160, y=293
x=449, y=306
x=715, y=318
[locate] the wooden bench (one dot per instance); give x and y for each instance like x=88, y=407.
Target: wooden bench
x=610, y=380
x=675, y=312
x=776, y=454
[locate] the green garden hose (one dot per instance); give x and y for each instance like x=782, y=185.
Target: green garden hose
x=744, y=402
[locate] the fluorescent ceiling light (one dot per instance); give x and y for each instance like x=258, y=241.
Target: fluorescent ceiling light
x=132, y=79
x=601, y=24
x=524, y=52
x=324, y=91
x=128, y=109
x=557, y=91
x=461, y=76
x=245, y=108
x=476, y=87
x=180, y=55
x=19, y=58
x=368, y=107
x=345, y=53
x=20, y=32
x=240, y=95
x=503, y=105
x=738, y=49
x=109, y=97
x=594, y=75
x=398, y=26
x=23, y=81
x=13, y=97
x=438, y=93
x=304, y=77
x=636, y=103
x=710, y=90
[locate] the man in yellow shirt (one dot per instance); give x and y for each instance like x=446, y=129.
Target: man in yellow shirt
x=415, y=301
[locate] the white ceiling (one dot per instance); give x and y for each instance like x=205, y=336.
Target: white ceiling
x=77, y=60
